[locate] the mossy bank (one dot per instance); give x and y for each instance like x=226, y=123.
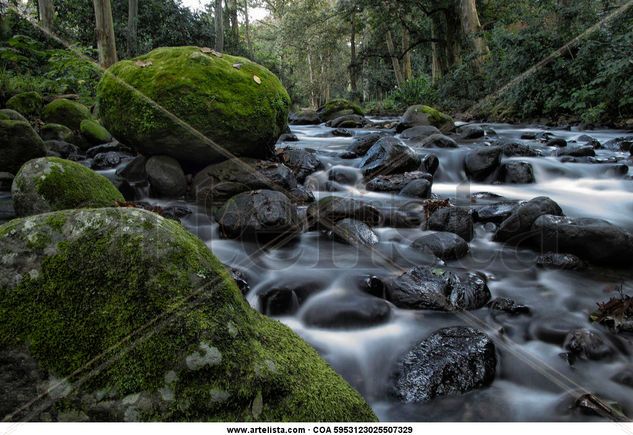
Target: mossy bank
x=130, y=317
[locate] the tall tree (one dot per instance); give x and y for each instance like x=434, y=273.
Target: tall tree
x=46, y=12
x=219, y=27
x=106, y=43
x=247, y=29
x=471, y=27
x=353, y=66
x=132, y=26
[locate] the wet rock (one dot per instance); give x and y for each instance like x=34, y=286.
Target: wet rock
x=514, y=172
x=619, y=144
x=595, y=143
x=425, y=115
x=341, y=132
x=336, y=108
x=300, y=161
x=240, y=280
x=288, y=137
x=557, y=142
x=511, y=148
x=430, y=163
x=63, y=149
x=594, y=240
x=332, y=209
x=278, y=301
x=362, y=144
x=446, y=246
x=508, y=305
x=389, y=156
x=514, y=228
x=19, y=143
x=495, y=213
x=454, y=220
x=108, y=147
x=586, y=344
x=166, y=176
x=471, y=132
x=480, y=163
x=348, y=121
x=576, y=151
x=451, y=361
x=344, y=175
x=397, y=182
x=420, y=189
x=428, y=288
x=301, y=195
x=218, y=182
x=347, y=312
x=591, y=404
x=134, y=170
x=624, y=377
x=353, y=232
x=555, y=260
x=438, y=141
x=419, y=133
x=261, y=213
x=108, y=160
x=401, y=218
x=304, y=117
x=6, y=180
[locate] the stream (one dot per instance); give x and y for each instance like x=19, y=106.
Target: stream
x=533, y=382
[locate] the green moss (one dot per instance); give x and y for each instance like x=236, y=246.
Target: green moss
x=220, y=101
x=161, y=310
x=19, y=143
x=433, y=117
x=338, y=107
x=57, y=132
x=51, y=183
x=11, y=115
x=436, y=117
x=66, y=112
x=26, y=103
x=94, y=132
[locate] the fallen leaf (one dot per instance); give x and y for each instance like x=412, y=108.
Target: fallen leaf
x=206, y=50
x=257, y=80
x=143, y=64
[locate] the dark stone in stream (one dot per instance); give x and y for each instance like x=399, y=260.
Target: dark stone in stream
x=108, y=160
x=344, y=175
x=508, y=305
x=353, y=232
x=166, y=177
x=261, y=213
x=6, y=180
x=515, y=172
x=557, y=142
x=361, y=145
x=512, y=148
x=450, y=362
x=304, y=117
x=495, y=213
x=389, y=156
x=301, y=195
x=430, y=163
x=348, y=121
x=589, y=140
x=396, y=218
x=300, y=161
x=65, y=150
x=619, y=144
x=395, y=183
x=595, y=240
x=240, y=280
x=420, y=189
x=624, y=377
x=134, y=170
x=347, y=312
x=438, y=141
x=576, y=151
x=471, y=132
x=454, y=220
x=428, y=288
x=218, y=182
x=446, y=246
x=554, y=260
x=288, y=137
x=514, y=228
x=480, y=163
x=341, y=132
x=278, y=301
x=419, y=133
x=332, y=209
x=106, y=148
x=586, y=344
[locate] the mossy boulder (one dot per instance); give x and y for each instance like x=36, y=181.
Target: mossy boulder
x=338, y=107
x=11, y=115
x=66, y=112
x=130, y=317
x=94, y=132
x=236, y=103
x=57, y=132
x=425, y=115
x=26, y=103
x=50, y=184
x=19, y=143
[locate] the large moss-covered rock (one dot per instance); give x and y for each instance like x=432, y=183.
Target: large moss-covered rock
x=57, y=132
x=51, y=183
x=130, y=317
x=94, y=132
x=338, y=107
x=11, y=115
x=236, y=103
x=425, y=115
x=66, y=112
x=19, y=143
x=26, y=103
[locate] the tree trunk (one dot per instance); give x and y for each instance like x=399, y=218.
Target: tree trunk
x=352, y=66
x=472, y=27
x=247, y=29
x=407, y=67
x=106, y=43
x=453, y=35
x=219, y=27
x=313, y=100
x=46, y=11
x=132, y=26
x=234, y=23
x=438, y=33
x=394, y=60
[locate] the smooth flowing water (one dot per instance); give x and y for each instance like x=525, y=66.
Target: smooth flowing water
x=532, y=382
